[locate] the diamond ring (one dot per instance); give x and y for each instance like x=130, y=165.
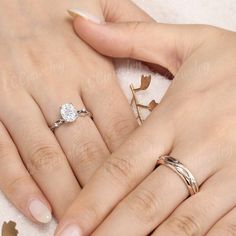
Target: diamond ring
x=69, y=114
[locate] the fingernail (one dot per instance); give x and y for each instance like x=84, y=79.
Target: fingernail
x=77, y=12
x=40, y=212
x=72, y=230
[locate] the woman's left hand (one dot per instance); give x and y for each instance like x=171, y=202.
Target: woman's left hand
x=195, y=123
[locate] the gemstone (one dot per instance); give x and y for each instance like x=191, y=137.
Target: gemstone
x=68, y=112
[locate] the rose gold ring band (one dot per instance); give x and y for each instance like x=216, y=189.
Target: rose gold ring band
x=182, y=171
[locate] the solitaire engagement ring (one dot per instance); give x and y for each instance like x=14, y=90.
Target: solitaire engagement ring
x=69, y=114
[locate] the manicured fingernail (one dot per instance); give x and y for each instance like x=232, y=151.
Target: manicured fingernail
x=40, y=212
x=72, y=230
x=77, y=12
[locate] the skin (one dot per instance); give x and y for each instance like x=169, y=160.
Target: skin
x=44, y=65
x=195, y=123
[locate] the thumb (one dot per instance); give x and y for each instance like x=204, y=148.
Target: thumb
x=163, y=44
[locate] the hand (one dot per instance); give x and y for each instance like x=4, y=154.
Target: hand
x=194, y=123
x=44, y=65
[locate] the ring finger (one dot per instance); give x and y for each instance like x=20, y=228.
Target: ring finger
x=153, y=200
x=80, y=140
x=40, y=150
x=119, y=175
x=198, y=214
x=112, y=113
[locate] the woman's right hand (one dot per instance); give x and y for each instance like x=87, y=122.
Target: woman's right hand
x=44, y=65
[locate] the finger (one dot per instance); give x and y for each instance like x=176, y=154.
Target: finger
x=142, y=40
x=14, y=177
x=112, y=113
x=124, y=10
x=153, y=200
x=116, y=11
x=40, y=150
x=225, y=226
x=117, y=177
x=80, y=140
x=111, y=10
x=198, y=214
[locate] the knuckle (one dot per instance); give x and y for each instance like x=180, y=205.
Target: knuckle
x=14, y=187
x=229, y=230
x=119, y=129
x=109, y=8
x=85, y=155
x=184, y=104
x=91, y=213
x=120, y=169
x=184, y=225
x=44, y=157
x=207, y=28
x=216, y=32
x=135, y=28
x=221, y=127
x=144, y=205
x=4, y=149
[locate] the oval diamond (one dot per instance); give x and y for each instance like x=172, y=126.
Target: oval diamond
x=68, y=112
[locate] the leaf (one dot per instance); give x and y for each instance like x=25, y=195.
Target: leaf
x=152, y=105
x=9, y=229
x=145, y=82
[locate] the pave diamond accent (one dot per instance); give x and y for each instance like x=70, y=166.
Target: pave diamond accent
x=68, y=112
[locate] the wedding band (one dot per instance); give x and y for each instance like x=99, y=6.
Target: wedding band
x=182, y=171
x=69, y=114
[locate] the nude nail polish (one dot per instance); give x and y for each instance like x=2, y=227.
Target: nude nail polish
x=78, y=12
x=72, y=230
x=40, y=211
